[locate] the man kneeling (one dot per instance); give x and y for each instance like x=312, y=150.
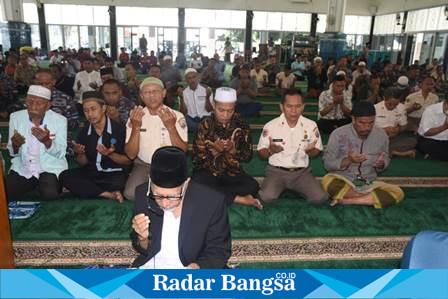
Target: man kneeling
x=354, y=155
x=189, y=221
x=100, y=151
x=288, y=141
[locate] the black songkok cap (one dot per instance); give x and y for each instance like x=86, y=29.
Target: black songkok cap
x=363, y=108
x=98, y=96
x=168, y=167
x=106, y=71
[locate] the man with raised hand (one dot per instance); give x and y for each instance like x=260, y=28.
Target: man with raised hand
x=178, y=222
x=99, y=151
x=38, y=144
x=288, y=141
x=222, y=143
x=150, y=128
x=354, y=156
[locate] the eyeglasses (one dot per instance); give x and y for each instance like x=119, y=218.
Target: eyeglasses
x=159, y=197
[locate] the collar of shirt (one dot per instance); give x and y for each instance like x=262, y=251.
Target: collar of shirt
x=108, y=127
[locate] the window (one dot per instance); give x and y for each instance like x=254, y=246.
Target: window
x=322, y=23
x=147, y=16
x=55, y=36
x=71, y=37
x=208, y=18
x=35, y=36
x=357, y=24
x=30, y=13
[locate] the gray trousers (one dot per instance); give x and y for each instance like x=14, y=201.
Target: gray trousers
x=138, y=176
x=302, y=181
x=402, y=143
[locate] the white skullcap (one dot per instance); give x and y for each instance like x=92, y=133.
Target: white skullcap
x=39, y=91
x=362, y=63
x=190, y=70
x=167, y=57
x=225, y=95
x=403, y=81
x=340, y=73
x=317, y=58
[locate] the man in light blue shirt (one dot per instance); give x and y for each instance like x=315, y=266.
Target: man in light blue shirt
x=38, y=143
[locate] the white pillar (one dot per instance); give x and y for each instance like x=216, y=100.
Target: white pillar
x=12, y=10
x=335, y=16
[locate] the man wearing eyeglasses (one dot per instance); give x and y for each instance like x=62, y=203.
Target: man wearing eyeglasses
x=150, y=128
x=37, y=145
x=354, y=156
x=179, y=223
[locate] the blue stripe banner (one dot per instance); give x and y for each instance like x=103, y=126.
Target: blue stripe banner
x=119, y=283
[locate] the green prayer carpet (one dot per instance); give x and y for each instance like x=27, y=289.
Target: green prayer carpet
x=290, y=217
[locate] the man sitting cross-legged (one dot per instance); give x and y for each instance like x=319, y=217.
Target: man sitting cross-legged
x=288, y=141
x=222, y=142
x=354, y=155
x=37, y=145
x=100, y=151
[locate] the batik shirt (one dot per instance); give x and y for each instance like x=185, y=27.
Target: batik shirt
x=209, y=131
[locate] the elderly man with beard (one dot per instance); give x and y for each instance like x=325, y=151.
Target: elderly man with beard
x=38, y=143
x=150, y=128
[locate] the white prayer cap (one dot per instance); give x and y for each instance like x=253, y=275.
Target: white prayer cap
x=225, y=95
x=167, y=57
x=340, y=73
x=403, y=81
x=39, y=91
x=190, y=70
x=317, y=58
x=362, y=63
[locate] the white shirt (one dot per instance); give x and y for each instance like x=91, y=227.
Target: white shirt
x=259, y=77
x=154, y=134
x=417, y=97
x=31, y=165
x=390, y=118
x=85, y=79
x=56, y=59
x=433, y=117
x=287, y=82
x=168, y=256
x=196, y=64
x=326, y=98
x=293, y=140
x=195, y=101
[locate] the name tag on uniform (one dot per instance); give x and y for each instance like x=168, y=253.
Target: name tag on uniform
x=142, y=129
x=277, y=140
x=381, y=116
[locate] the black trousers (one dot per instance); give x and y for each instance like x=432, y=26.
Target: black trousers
x=436, y=149
x=329, y=125
x=84, y=182
x=17, y=186
x=232, y=186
